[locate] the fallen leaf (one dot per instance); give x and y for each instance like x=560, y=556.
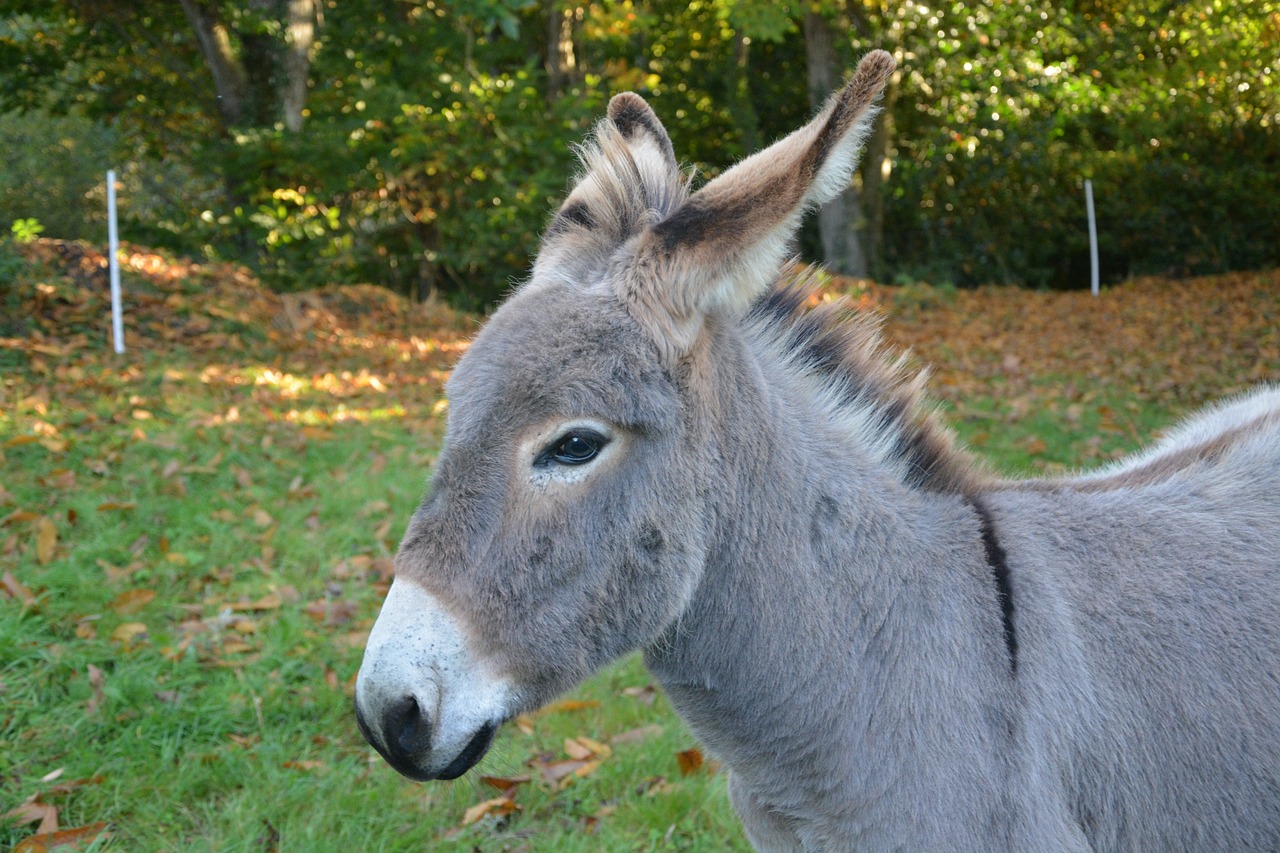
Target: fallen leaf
x=504, y=783
x=571, y=705
x=96, y=681
x=644, y=695
x=496, y=807
x=689, y=760
x=306, y=765
x=117, y=506
x=585, y=748
x=270, y=601
x=132, y=600
x=637, y=735
x=14, y=588
x=32, y=811
x=46, y=539
x=19, y=516
x=129, y=634
x=64, y=841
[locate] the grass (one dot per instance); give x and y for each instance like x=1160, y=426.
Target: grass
x=195, y=538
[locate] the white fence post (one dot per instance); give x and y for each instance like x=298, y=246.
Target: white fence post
x=113, y=241
x=1093, y=237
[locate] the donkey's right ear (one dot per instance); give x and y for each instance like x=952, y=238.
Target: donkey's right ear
x=630, y=180
x=644, y=134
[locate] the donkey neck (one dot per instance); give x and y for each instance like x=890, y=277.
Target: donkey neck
x=832, y=591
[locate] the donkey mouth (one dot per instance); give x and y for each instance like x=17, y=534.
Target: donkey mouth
x=407, y=764
x=471, y=753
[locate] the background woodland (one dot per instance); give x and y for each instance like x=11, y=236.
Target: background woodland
x=423, y=144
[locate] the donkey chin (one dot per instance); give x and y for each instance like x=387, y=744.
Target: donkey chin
x=423, y=700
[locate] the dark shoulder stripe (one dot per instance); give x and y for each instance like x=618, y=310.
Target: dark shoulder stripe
x=998, y=562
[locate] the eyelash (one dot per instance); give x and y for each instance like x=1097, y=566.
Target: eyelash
x=576, y=447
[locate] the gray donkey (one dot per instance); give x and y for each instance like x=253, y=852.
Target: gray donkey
x=655, y=443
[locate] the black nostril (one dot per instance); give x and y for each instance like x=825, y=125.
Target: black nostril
x=407, y=728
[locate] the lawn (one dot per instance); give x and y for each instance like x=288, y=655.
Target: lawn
x=195, y=537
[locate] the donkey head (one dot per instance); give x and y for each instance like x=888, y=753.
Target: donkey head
x=574, y=502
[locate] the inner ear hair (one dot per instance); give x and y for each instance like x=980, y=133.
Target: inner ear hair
x=726, y=244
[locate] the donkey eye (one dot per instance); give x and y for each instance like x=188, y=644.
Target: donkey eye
x=574, y=448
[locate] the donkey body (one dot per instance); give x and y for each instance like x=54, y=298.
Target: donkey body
x=655, y=444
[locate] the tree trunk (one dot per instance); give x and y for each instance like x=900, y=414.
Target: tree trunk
x=840, y=221
x=561, y=63
x=744, y=111
x=300, y=37
x=879, y=163
x=229, y=79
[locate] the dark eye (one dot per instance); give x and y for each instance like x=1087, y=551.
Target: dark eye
x=574, y=448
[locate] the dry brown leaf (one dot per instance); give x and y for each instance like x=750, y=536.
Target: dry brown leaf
x=644, y=695
x=132, y=600
x=14, y=588
x=32, y=811
x=505, y=783
x=553, y=771
x=19, y=516
x=637, y=735
x=270, y=601
x=571, y=705
x=129, y=634
x=96, y=682
x=585, y=748
x=689, y=760
x=46, y=539
x=116, y=506
x=496, y=807
x=575, y=750
x=65, y=841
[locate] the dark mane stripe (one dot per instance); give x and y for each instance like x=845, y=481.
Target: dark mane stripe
x=844, y=348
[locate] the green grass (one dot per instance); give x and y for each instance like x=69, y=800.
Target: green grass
x=1046, y=433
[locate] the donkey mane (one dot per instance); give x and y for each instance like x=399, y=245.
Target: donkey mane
x=839, y=352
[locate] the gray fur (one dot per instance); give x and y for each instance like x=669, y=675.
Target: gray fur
x=781, y=526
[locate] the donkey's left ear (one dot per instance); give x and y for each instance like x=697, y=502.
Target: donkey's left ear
x=727, y=242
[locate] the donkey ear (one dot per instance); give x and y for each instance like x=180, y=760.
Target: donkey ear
x=728, y=241
x=630, y=179
x=644, y=134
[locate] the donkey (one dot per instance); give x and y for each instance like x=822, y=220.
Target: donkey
x=656, y=443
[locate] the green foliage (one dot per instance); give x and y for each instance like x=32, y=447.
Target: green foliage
x=435, y=144
x=53, y=170
x=26, y=230
x=1171, y=111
